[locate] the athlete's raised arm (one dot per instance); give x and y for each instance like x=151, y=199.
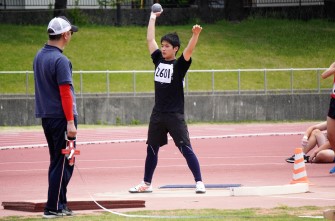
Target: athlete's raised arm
x=152, y=44
x=193, y=42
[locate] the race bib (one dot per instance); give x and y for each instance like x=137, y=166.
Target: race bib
x=163, y=73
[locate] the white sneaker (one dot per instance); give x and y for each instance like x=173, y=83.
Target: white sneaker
x=141, y=188
x=200, y=187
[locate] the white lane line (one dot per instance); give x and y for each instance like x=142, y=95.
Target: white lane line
x=141, y=166
x=303, y=198
x=144, y=139
x=141, y=159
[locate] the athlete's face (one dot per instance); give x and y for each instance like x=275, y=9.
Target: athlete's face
x=168, y=51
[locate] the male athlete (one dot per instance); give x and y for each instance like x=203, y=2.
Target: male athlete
x=168, y=112
x=55, y=103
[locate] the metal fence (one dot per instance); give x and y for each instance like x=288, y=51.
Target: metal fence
x=49, y=4
x=281, y=3
x=135, y=83
x=84, y=4
x=94, y=4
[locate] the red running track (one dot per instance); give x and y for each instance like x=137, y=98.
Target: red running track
x=112, y=161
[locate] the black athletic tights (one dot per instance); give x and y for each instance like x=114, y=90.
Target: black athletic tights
x=152, y=159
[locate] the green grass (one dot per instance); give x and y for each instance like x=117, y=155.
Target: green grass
x=253, y=43
x=280, y=213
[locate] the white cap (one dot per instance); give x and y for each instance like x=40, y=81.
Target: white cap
x=60, y=25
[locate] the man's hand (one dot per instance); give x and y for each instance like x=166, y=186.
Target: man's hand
x=156, y=14
x=312, y=156
x=196, y=29
x=304, y=141
x=71, y=129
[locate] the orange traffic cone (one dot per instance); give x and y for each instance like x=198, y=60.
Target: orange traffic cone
x=299, y=170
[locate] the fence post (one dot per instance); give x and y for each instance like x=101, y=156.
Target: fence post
x=27, y=83
x=134, y=83
x=265, y=82
x=213, y=83
x=239, y=81
x=291, y=80
x=81, y=83
x=107, y=82
x=318, y=80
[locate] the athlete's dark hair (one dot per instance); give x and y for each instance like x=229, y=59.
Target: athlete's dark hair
x=55, y=37
x=172, y=38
